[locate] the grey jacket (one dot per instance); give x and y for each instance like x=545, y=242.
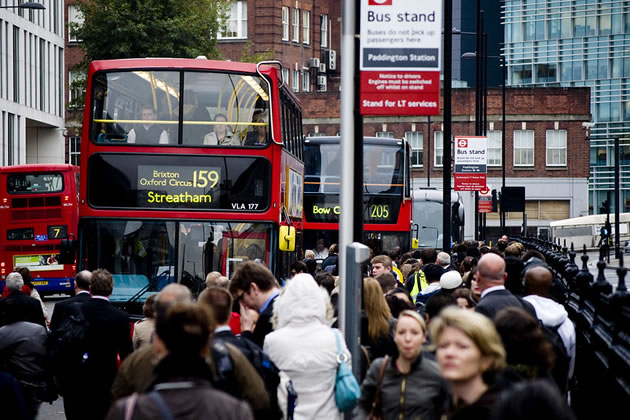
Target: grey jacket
x=420, y=394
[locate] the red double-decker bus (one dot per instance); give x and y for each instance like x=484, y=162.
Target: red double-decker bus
x=190, y=166
x=38, y=209
x=386, y=192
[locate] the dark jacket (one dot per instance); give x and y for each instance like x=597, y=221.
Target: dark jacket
x=496, y=300
x=479, y=410
x=263, y=326
x=108, y=337
x=20, y=307
x=420, y=394
x=63, y=308
x=183, y=385
x=136, y=374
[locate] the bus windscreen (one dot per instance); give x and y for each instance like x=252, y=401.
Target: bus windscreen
x=155, y=107
x=383, y=169
x=34, y=183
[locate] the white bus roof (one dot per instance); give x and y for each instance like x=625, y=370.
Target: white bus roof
x=593, y=219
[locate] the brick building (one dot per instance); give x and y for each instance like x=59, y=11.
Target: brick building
x=73, y=56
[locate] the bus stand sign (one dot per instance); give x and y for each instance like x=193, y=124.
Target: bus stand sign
x=399, y=57
x=471, y=163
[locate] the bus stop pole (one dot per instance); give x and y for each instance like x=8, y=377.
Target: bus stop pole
x=349, y=13
x=357, y=254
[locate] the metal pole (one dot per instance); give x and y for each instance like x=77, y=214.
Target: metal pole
x=357, y=254
x=357, y=215
x=448, y=71
x=428, y=151
x=503, y=133
x=349, y=16
x=617, y=201
x=479, y=57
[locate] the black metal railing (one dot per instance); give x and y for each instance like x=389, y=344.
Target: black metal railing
x=601, y=384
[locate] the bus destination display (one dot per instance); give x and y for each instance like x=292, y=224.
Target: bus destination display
x=227, y=183
x=173, y=184
x=326, y=209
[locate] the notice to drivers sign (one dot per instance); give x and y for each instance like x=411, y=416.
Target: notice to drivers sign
x=400, y=57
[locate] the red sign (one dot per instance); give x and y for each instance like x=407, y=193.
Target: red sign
x=485, y=205
x=469, y=182
x=379, y=2
x=400, y=92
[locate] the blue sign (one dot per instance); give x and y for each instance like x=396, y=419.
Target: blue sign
x=41, y=237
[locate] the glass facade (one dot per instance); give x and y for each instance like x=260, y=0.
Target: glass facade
x=578, y=43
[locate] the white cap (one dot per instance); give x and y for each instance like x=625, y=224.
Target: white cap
x=450, y=280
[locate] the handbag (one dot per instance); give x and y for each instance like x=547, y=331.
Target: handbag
x=347, y=389
x=376, y=413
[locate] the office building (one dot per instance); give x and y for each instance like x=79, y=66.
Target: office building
x=31, y=83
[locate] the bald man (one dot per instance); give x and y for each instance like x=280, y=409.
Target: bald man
x=538, y=281
x=491, y=278
x=63, y=309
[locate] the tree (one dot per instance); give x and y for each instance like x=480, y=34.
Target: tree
x=150, y=28
x=146, y=28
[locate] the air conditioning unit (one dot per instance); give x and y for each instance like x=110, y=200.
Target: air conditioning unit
x=313, y=62
x=321, y=80
x=332, y=60
x=322, y=67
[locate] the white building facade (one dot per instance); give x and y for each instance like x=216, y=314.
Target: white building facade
x=32, y=84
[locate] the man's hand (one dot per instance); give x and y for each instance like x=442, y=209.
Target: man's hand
x=248, y=318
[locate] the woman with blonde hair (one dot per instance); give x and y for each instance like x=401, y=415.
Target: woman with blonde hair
x=408, y=386
x=470, y=353
x=377, y=322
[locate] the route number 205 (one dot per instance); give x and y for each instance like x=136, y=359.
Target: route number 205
x=379, y=211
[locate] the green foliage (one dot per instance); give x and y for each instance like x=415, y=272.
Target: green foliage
x=150, y=28
x=249, y=56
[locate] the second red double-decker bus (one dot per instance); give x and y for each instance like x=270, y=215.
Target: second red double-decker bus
x=190, y=166
x=38, y=209
x=386, y=192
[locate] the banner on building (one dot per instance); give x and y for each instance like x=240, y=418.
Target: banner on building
x=399, y=57
x=471, y=163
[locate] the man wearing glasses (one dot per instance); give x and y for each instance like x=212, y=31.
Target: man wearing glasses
x=255, y=287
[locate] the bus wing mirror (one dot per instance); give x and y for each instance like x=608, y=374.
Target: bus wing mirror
x=67, y=250
x=287, y=238
x=415, y=243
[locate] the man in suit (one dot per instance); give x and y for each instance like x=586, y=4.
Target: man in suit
x=64, y=308
x=255, y=287
x=17, y=306
x=491, y=278
x=107, y=337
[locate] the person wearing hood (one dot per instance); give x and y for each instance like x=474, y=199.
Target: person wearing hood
x=305, y=348
x=538, y=281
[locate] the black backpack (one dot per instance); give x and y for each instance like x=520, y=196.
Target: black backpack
x=267, y=370
x=65, y=347
x=560, y=371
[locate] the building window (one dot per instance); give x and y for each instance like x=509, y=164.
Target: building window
x=296, y=81
x=285, y=76
x=306, y=27
x=385, y=134
x=323, y=31
x=306, y=81
x=16, y=64
x=524, y=148
x=285, y=23
x=494, y=147
x=439, y=149
x=74, y=150
x=237, y=22
x=74, y=93
x=415, y=139
x=556, y=148
x=75, y=18
x=296, y=25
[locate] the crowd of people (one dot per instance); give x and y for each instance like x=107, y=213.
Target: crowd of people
x=478, y=333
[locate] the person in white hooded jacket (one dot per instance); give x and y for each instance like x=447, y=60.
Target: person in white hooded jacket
x=537, y=282
x=304, y=346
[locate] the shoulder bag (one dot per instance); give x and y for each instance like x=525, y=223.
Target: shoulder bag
x=347, y=389
x=376, y=413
